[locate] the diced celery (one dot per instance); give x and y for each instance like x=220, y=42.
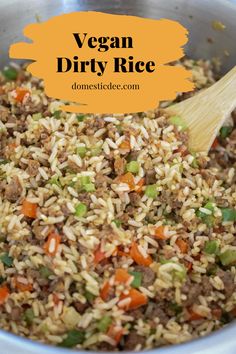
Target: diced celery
x=90, y=187
x=228, y=257
x=137, y=281
x=6, y=259
x=228, y=214
x=133, y=167
x=211, y=247
x=104, y=323
x=151, y=191
x=29, y=315
x=80, y=210
x=81, y=151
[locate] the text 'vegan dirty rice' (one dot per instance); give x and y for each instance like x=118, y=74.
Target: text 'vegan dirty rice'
x=113, y=235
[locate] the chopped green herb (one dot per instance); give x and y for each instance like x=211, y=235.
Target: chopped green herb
x=90, y=187
x=45, y=272
x=80, y=210
x=36, y=116
x=73, y=338
x=3, y=161
x=6, y=259
x=228, y=214
x=151, y=191
x=2, y=280
x=80, y=117
x=117, y=222
x=57, y=114
x=177, y=309
x=10, y=73
x=137, y=281
x=228, y=257
x=104, y=323
x=81, y=151
x=211, y=247
x=29, y=315
x=225, y=131
x=179, y=122
x=89, y=296
x=133, y=167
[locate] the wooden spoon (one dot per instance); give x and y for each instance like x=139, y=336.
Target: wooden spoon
x=205, y=112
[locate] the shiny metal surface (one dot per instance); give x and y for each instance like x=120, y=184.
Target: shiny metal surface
x=197, y=16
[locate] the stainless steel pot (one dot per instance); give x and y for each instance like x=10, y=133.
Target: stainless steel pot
x=197, y=16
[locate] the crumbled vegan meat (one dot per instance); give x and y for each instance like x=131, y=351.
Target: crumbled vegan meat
x=13, y=190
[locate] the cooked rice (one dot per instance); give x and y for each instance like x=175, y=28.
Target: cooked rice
x=56, y=260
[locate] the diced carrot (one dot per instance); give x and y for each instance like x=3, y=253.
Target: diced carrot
x=217, y=313
x=139, y=185
x=183, y=246
x=159, y=232
x=215, y=144
x=122, y=253
x=127, y=178
x=193, y=316
x=4, y=293
x=138, y=257
x=104, y=293
x=22, y=285
x=20, y=94
x=125, y=145
x=122, y=276
x=115, y=333
x=51, y=245
x=114, y=253
x=98, y=255
x=29, y=209
x=12, y=146
x=137, y=299
x=56, y=299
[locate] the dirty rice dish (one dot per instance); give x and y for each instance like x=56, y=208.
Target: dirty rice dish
x=113, y=235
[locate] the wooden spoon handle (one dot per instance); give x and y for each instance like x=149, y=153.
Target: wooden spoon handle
x=205, y=112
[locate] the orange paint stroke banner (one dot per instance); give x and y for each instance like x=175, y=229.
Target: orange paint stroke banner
x=75, y=53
